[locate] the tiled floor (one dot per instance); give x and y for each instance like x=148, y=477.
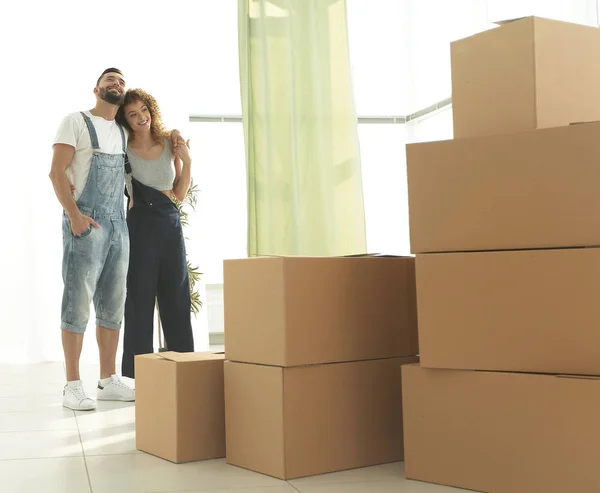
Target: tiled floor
x=47, y=449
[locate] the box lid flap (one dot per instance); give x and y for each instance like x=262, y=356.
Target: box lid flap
x=354, y=255
x=579, y=377
x=187, y=357
x=384, y=255
x=584, y=123
x=507, y=21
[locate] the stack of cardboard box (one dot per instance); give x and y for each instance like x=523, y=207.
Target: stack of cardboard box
x=505, y=222
x=314, y=349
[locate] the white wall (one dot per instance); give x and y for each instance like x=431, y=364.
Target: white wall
x=578, y=11
x=379, y=55
x=433, y=24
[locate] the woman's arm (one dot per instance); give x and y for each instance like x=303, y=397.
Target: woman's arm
x=129, y=189
x=183, y=171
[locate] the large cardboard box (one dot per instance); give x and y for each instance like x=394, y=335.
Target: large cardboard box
x=290, y=311
x=180, y=405
x=501, y=432
x=526, y=74
x=302, y=421
x=531, y=311
x=535, y=189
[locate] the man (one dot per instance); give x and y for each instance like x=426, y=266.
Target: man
x=89, y=152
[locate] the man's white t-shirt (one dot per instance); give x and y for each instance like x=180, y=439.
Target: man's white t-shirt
x=74, y=132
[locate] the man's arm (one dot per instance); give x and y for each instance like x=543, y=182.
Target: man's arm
x=61, y=160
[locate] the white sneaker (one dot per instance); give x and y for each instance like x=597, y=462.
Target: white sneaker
x=115, y=390
x=74, y=397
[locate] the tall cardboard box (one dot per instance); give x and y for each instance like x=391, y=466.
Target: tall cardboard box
x=501, y=432
x=180, y=405
x=530, y=311
x=291, y=311
x=526, y=74
x=535, y=189
x=308, y=420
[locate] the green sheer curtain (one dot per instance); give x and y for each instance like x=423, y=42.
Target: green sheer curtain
x=305, y=193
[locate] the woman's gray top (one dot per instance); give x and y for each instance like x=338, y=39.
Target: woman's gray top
x=157, y=173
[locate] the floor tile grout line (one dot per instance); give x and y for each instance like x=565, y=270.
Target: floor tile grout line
x=241, y=489
x=48, y=457
x=87, y=471
x=29, y=430
x=293, y=486
x=127, y=454
x=357, y=481
x=45, y=457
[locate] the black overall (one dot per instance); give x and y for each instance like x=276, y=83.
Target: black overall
x=157, y=270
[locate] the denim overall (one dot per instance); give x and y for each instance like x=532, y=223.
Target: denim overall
x=157, y=271
x=95, y=263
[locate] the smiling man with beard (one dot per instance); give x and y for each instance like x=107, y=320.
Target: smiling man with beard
x=89, y=152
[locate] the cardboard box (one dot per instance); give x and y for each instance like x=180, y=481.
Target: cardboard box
x=526, y=74
x=290, y=311
x=531, y=311
x=535, y=189
x=180, y=405
x=501, y=432
x=302, y=421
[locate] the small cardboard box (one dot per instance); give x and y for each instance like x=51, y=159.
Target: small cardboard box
x=501, y=432
x=527, y=74
x=180, y=405
x=307, y=420
x=290, y=311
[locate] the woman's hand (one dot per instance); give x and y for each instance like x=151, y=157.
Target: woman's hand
x=182, y=151
x=175, y=137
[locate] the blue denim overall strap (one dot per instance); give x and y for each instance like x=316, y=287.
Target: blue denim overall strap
x=94, y=136
x=128, y=169
x=102, y=194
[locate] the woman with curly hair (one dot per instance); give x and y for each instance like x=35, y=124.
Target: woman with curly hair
x=157, y=261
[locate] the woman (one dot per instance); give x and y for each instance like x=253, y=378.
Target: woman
x=157, y=260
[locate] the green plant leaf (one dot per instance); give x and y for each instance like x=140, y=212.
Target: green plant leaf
x=194, y=274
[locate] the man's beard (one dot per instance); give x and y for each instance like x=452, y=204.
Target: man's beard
x=115, y=98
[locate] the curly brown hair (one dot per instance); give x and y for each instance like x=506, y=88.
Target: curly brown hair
x=157, y=129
